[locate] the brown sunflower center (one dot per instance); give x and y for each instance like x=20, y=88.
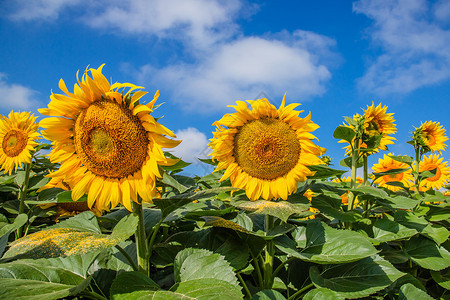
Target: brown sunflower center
x=14, y=142
x=110, y=140
x=266, y=148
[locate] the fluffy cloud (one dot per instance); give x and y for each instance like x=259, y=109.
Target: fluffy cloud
x=16, y=96
x=245, y=68
x=415, y=45
x=194, y=145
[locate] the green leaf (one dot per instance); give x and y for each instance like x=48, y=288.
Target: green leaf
x=358, y=279
x=442, y=278
x=170, y=181
x=409, y=291
x=26, y=279
x=438, y=213
x=344, y=133
x=347, y=162
x=221, y=222
x=268, y=295
x=49, y=195
x=389, y=172
x=19, y=221
x=385, y=230
x=329, y=204
x=322, y=172
x=427, y=254
x=192, y=264
x=403, y=158
x=406, y=218
x=209, y=289
x=280, y=209
x=328, y=245
x=322, y=294
x=59, y=240
x=128, y=282
x=36, y=182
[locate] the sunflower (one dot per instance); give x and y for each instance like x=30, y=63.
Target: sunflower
x=264, y=150
x=344, y=197
x=442, y=175
x=432, y=136
x=108, y=144
x=376, y=122
x=18, y=135
x=386, y=164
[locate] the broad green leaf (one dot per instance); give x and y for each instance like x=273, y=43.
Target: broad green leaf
x=347, y=162
x=86, y=221
x=327, y=245
x=280, y=209
x=19, y=221
x=358, y=279
x=28, y=279
x=192, y=264
x=168, y=205
x=427, y=254
x=196, y=209
x=37, y=181
x=170, y=181
x=322, y=294
x=436, y=232
x=322, y=172
x=438, y=213
x=128, y=282
x=344, y=133
x=409, y=291
x=199, y=289
x=390, y=172
x=442, y=278
x=385, y=230
x=221, y=222
x=403, y=158
x=49, y=195
x=329, y=204
x=58, y=240
x=268, y=295
x=369, y=190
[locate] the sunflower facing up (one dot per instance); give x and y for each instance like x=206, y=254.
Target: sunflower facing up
x=265, y=150
x=18, y=135
x=376, y=122
x=431, y=135
x=108, y=144
x=386, y=164
x=442, y=175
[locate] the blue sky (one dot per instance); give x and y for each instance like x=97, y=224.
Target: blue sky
x=334, y=57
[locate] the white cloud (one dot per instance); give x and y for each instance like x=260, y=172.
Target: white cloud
x=244, y=68
x=16, y=96
x=415, y=45
x=42, y=10
x=200, y=21
x=194, y=145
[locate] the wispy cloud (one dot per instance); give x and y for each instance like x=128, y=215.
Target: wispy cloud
x=245, y=67
x=415, y=43
x=16, y=96
x=194, y=145
x=37, y=10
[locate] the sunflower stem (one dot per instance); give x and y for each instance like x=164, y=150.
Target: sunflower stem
x=300, y=291
x=141, y=240
x=355, y=156
x=128, y=257
x=23, y=195
x=153, y=237
x=269, y=254
x=365, y=180
x=416, y=175
x=247, y=291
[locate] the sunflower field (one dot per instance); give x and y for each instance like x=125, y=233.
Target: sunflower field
x=94, y=206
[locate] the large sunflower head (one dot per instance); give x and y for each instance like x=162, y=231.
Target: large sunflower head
x=436, y=164
x=18, y=136
x=386, y=164
x=431, y=136
x=108, y=144
x=265, y=150
x=377, y=122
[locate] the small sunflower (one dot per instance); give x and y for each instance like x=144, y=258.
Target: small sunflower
x=386, y=164
x=18, y=135
x=431, y=135
x=265, y=150
x=442, y=176
x=344, y=197
x=108, y=144
x=376, y=122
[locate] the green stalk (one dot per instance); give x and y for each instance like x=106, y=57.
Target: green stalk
x=128, y=257
x=247, y=291
x=269, y=254
x=355, y=156
x=416, y=175
x=152, y=238
x=300, y=291
x=141, y=240
x=365, y=180
x=23, y=195
x=258, y=270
